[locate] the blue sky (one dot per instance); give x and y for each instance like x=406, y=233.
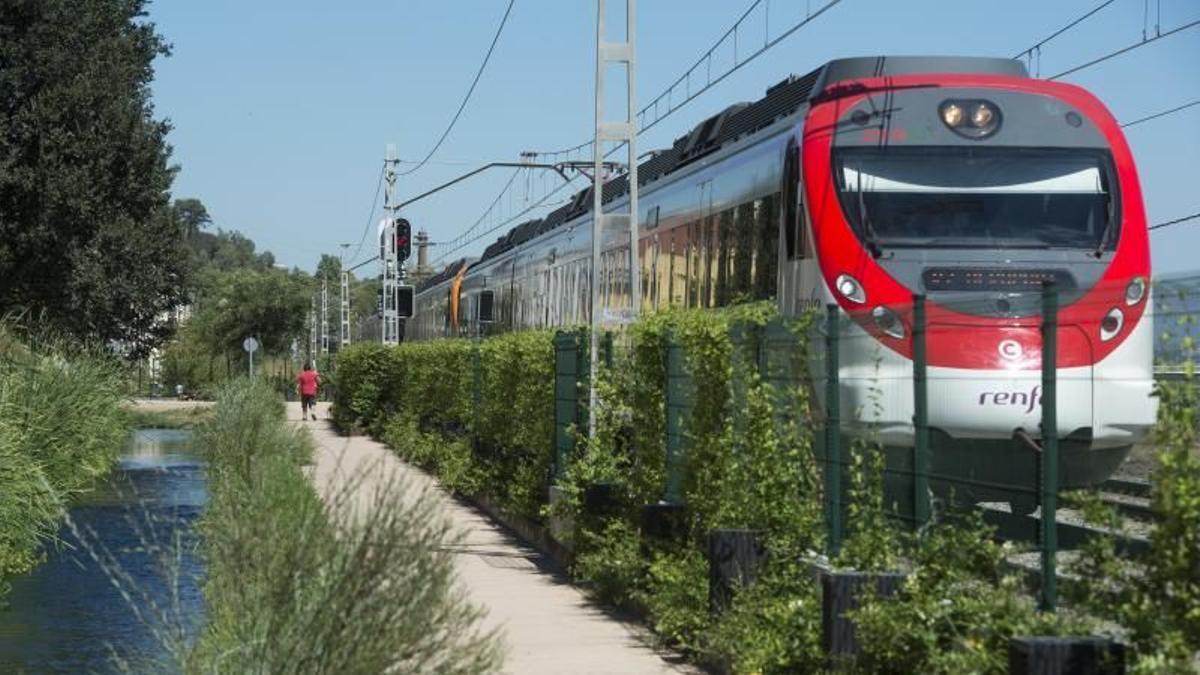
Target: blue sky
x=282, y=110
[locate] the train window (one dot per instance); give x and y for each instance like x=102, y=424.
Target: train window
x=652, y=218
x=677, y=273
x=977, y=197
x=724, y=240
x=793, y=207
x=743, y=250
x=767, y=247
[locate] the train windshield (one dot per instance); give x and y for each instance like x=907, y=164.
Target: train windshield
x=961, y=197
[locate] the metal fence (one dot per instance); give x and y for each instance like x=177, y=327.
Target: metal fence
x=999, y=402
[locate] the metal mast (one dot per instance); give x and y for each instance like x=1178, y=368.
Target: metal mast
x=391, y=269
x=324, y=315
x=344, y=333
x=312, y=329
x=625, y=131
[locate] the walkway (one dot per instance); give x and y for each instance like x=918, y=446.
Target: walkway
x=547, y=625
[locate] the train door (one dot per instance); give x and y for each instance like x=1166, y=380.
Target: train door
x=800, y=287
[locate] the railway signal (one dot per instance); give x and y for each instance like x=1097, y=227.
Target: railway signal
x=403, y=235
x=404, y=301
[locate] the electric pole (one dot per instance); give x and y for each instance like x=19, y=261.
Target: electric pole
x=312, y=330
x=344, y=324
x=390, y=325
x=324, y=315
x=626, y=132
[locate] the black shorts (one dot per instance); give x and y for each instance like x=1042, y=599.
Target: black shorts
x=307, y=400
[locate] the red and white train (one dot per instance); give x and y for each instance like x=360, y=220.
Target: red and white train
x=862, y=183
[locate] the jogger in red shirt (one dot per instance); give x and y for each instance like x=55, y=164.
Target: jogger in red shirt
x=308, y=382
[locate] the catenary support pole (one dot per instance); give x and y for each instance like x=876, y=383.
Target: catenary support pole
x=626, y=132
x=325, y=315
x=344, y=324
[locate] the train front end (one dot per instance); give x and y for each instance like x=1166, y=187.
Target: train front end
x=974, y=189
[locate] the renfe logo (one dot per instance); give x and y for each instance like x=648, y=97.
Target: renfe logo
x=1027, y=400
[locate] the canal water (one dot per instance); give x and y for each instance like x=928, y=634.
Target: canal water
x=70, y=616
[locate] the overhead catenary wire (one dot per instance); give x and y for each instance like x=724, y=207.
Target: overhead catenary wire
x=727, y=39
x=540, y=202
x=710, y=82
x=1169, y=223
x=488, y=210
x=470, y=90
x=370, y=216
x=1164, y=113
x=1123, y=50
x=1036, y=47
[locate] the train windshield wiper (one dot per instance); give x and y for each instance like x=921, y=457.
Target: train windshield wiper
x=870, y=236
x=1108, y=228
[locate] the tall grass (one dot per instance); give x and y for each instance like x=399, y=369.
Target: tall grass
x=300, y=585
x=61, y=426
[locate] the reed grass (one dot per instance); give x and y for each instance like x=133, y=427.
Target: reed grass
x=61, y=427
x=297, y=584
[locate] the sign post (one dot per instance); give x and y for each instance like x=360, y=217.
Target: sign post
x=250, y=345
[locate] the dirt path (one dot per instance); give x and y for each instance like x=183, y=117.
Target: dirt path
x=548, y=626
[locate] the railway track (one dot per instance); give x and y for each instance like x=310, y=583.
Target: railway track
x=1073, y=533
x=1130, y=497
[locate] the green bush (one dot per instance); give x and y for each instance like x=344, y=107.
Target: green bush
x=1155, y=597
x=403, y=393
x=957, y=609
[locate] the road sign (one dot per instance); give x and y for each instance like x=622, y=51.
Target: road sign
x=250, y=345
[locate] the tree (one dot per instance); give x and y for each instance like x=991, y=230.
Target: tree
x=364, y=299
x=191, y=215
x=329, y=267
x=86, y=239
x=271, y=305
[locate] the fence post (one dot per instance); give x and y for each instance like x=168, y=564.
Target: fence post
x=833, y=442
x=476, y=392
x=1049, y=468
x=566, y=399
x=676, y=412
x=920, y=417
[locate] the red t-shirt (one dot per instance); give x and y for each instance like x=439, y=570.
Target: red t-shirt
x=308, y=380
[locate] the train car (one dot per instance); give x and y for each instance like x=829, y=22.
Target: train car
x=860, y=184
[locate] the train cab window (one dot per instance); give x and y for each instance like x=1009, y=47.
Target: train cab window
x=971, y=197
x=793, y=207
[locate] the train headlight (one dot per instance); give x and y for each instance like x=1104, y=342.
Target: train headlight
x=1135, y=291
x=975, y=119
x=982, y=116
x=850, y=289
x=1111, y=324
x=952, y=114
x=888, y=321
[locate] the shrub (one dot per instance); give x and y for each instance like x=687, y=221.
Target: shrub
x=1156, y=597
x=956, y=611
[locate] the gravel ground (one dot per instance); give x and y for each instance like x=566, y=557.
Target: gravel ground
x=167, y=404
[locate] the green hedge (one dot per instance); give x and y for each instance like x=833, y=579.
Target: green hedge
x=61, y=427
x=400, y=392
